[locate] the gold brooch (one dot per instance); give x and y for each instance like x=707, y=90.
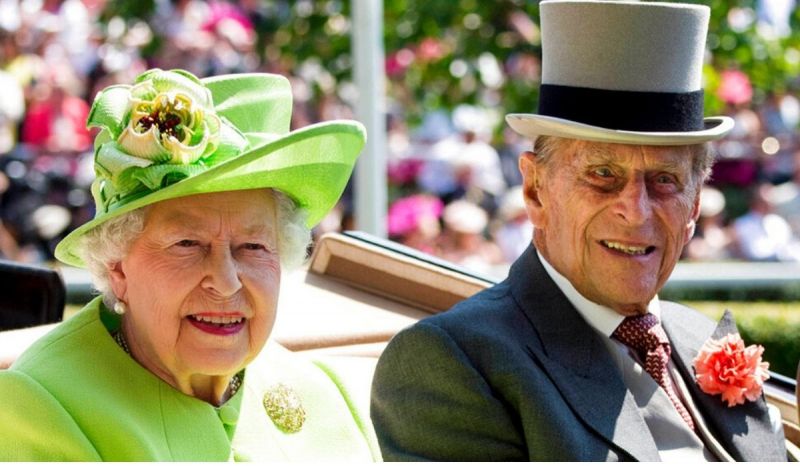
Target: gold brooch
x=285, y=408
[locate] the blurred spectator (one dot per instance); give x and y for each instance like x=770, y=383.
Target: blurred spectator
x=414, y=222
x=56, y=117
x=9, y=248
x=762, y=235
x=12, y=108
x=775, y=15
x=476, y=162
x=515, y=232
x=781, y=114
x=712, y=238
x=786, y=197
x=512, y=145
x=463, y=242
x=437, y=145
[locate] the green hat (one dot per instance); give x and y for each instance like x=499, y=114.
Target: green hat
x=173, y=135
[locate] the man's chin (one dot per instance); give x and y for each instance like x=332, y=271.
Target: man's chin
x=629, y=310
x=628, y=304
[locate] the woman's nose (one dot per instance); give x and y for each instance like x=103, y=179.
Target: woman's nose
x=222, y=275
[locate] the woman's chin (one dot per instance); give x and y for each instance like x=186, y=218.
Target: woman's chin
x=217, y=362
x=213, y=354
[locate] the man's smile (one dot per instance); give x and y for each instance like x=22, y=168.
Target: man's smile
x=629, y=249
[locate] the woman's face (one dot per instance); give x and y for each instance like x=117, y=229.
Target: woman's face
x=201, y=284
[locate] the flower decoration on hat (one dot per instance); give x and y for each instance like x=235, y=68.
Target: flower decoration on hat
x=726, y=367
x=160, y=130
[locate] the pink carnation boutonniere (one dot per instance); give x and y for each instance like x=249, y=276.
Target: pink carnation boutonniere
x=726, y=367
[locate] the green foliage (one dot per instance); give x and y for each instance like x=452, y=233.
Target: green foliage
x=777, y=293
x=776, y=326
x=128, y=9
x=781, y=341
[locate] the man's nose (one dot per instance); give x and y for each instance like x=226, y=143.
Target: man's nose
x=634, y=204
x=222, y=274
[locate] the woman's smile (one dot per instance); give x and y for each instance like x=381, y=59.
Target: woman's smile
x=218, y=324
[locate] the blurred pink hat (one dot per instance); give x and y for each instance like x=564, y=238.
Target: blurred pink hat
x=406, y=213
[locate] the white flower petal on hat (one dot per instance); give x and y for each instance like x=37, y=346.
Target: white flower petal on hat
x=146, y=145
x=114, y=161
x=184, y=153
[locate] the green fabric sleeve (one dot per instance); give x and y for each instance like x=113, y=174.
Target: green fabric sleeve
x=35, y=426
x=429, y=402
x=353, y=377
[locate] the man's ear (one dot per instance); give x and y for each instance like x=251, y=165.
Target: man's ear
x=117, y=279
x=692, y=223
x=532, y=176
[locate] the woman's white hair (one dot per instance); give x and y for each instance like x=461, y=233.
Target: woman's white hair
x=110, y=242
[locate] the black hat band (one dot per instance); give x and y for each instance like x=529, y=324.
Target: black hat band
x=624, y=110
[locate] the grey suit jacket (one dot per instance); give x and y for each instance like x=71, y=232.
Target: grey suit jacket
x=515, y=373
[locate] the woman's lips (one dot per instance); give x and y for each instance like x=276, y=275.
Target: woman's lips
x=218, y=324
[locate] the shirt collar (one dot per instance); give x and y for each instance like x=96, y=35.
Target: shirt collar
x=603, y=319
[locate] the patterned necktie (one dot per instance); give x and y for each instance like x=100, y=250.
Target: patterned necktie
x=644, y=335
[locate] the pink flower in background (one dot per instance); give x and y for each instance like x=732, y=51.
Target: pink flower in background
x=725, y=367
x=735, y=87
x=431, y=49
x=398, y=62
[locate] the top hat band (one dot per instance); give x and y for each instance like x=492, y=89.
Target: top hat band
x=624, y=110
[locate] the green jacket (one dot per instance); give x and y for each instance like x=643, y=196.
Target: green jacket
x=75, y=395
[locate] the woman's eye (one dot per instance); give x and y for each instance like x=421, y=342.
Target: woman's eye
x=254, y=247
x=186, y=243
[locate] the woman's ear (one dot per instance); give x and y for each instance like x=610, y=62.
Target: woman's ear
x=532, y=175
x=117, y=279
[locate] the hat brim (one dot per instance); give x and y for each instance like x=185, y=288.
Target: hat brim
x=532, y=126
x=310, y=165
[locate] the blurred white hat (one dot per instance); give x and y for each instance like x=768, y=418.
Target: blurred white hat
x=712, y=202
x=50, y=220
x=512, y=203
x=465, y=217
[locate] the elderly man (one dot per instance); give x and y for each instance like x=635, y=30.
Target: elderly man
x=573, y=357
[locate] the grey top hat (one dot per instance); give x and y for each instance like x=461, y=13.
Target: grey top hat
x=622, y=71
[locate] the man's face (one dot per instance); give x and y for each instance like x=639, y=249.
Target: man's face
x=612, y=218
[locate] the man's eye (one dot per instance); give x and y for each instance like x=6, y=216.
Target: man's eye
x=665, y=179
x=254, y=247
x=603, y=172
x=186, y=243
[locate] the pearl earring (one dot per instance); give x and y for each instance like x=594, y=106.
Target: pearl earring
x=120, y=308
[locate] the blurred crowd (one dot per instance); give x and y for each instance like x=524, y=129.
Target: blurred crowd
x=454, y=185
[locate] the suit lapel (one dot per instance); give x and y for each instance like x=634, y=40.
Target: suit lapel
x=578, y=361
x=744, y=430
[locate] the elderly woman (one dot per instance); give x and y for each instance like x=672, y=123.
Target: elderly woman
x=203, y=196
